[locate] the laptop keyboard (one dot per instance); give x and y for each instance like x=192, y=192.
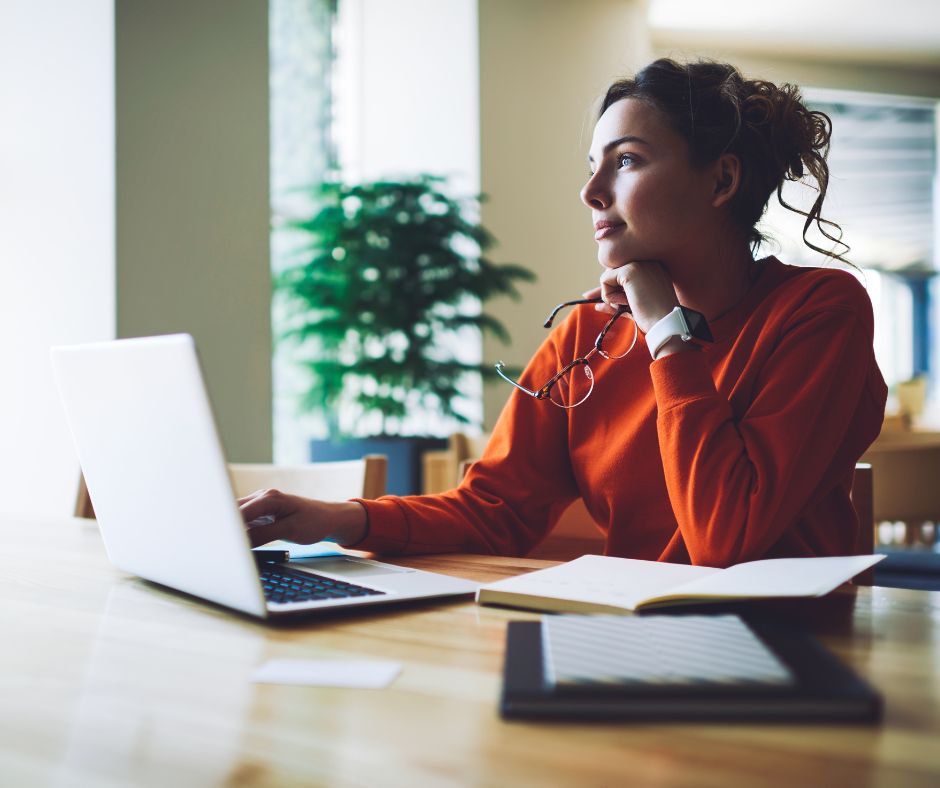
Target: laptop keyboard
x=285, y=585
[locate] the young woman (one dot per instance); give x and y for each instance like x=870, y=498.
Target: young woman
x=730, y=430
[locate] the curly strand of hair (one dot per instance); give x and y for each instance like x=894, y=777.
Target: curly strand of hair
x=814, y=159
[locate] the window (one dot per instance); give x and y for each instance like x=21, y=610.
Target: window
x=883, y=171
x=300, y=73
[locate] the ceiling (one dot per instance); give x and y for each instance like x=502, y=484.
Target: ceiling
x=899, y=31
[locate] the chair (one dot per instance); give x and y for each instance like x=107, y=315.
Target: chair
x=443, y=469
x=83, y=507
x=328, y=481
x=908, y=465
x=863, y=500
x=575, y=534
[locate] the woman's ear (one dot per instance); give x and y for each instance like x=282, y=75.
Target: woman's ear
x=727, y=171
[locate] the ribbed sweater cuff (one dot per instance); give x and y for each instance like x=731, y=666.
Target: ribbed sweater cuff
x=388, y=530
x=680, y=378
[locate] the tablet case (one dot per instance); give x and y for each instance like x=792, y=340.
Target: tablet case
x=825, y=689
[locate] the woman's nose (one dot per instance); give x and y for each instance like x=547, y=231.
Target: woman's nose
x=594, y=195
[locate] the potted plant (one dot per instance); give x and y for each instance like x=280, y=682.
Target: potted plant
x=385, y=270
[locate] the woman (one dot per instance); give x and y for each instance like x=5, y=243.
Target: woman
x=731, y=429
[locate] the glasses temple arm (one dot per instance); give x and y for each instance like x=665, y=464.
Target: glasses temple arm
x=557, y=309
x=499, y=371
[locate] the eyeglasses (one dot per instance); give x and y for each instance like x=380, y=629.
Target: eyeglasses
x=574, y=383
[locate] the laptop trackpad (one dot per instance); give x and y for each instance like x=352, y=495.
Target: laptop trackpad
x=347, y=566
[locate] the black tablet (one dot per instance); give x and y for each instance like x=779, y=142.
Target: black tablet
x=818, y=687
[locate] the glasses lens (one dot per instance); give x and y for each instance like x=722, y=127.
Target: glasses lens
x=573, y=387
x=620, y=338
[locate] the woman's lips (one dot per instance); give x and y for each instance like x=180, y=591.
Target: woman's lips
x=604, y=229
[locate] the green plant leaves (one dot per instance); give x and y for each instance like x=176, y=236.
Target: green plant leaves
x=381, y=269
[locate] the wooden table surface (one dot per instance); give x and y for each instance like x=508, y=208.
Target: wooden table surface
x=106, y=680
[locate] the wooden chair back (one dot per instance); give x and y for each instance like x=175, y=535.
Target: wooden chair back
x=83, y=507
x=463, y=468
x=327, y=481
x=443, y=469
x=863, y=499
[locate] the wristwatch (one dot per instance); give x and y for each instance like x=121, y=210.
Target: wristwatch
x=680, y=322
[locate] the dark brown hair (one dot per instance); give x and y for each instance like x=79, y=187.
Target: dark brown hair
x=769, y=128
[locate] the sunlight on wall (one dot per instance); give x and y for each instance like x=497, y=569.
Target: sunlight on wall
x=57, y=239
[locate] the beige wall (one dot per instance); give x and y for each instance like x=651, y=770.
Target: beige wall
x=543, y=63
x=192, y=196
x=820, y=72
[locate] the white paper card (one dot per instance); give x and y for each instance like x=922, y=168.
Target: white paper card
x=364, y=674
x=316, y=550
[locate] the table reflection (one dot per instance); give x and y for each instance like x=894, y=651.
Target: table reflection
x=181, y=720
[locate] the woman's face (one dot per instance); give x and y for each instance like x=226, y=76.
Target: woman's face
x=647, y=201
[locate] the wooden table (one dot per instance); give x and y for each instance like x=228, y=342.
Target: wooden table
x=107, y=680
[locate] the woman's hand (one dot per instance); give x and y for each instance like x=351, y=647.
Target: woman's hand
x=645, y=287
x=272, y=514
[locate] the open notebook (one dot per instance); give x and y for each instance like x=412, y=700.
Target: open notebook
x=602, y=584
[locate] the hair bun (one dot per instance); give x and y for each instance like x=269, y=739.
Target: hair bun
x=778, y=115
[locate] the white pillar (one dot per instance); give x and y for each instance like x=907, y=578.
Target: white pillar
x=56, y=230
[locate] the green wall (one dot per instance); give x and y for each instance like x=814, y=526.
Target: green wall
x=192, y=207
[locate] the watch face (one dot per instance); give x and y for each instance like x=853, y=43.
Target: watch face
x=698, y=327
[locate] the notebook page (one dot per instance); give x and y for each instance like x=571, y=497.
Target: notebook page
x=778, y=577
x=604, y=580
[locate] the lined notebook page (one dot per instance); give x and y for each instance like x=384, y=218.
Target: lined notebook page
x=693, y=651
x=780, y=577
x=604, y=580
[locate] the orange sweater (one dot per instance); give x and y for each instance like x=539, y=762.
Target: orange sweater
x=741, y=451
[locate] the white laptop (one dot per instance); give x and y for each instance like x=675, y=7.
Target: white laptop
x=154, y=466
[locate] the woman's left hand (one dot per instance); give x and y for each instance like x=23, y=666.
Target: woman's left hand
x=643, y=286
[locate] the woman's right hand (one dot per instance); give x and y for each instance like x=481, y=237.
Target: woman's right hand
x=272, y=514
x=595, y=292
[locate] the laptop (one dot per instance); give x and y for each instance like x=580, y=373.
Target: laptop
x=153, y=463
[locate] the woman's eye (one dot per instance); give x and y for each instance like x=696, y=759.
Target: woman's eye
x=624, y=160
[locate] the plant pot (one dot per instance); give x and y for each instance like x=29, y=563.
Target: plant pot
x=404, y=457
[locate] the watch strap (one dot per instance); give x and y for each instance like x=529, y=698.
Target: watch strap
x=680, y=322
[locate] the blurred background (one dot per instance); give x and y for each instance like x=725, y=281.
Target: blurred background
x=153, y=156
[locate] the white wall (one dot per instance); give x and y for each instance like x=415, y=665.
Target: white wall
x=188, y=250
x=56, y=229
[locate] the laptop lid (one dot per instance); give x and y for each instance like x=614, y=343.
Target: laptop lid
x=149, y=448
